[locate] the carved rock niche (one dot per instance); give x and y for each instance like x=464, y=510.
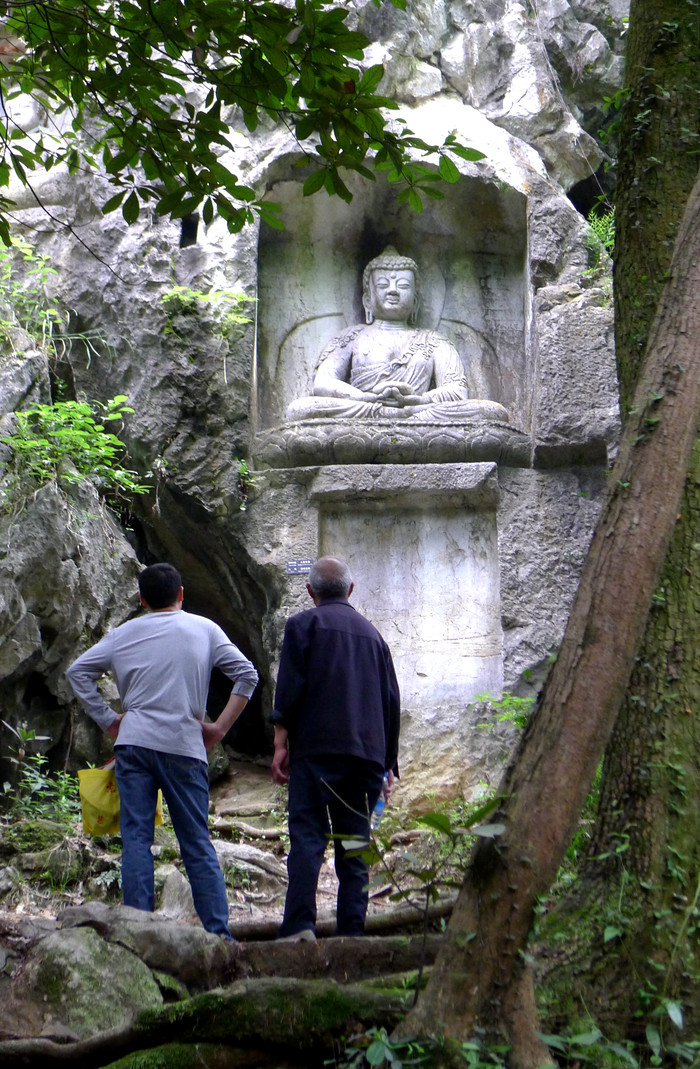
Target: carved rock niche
x=471, y=250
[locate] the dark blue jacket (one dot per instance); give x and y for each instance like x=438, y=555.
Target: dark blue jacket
x=336, y=688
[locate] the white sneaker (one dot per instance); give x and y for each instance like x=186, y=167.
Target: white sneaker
x=304, y=936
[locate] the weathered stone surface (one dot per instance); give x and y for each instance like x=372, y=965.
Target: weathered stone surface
x=539, y=72
x=23, y=379
x=83, y=984
x=380, y=441
x=66, y=575
x=175, y=900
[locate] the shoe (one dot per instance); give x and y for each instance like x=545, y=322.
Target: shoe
x=304, y=936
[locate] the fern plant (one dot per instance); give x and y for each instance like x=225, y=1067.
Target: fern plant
x=602, y=230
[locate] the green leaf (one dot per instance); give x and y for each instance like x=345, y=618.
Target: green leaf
x=305, y=127
x=557, y=1042
x=653, y=1039
x=354, y=844
x=611, y=932
x=113, y=202
x=307, y=79
x=586, y=1039
x=314, y=182
x=339, y=187
x=448, y=170
x=488, y=831
x=415, y=201
x=430, y=192
x=675, y=1012
x=371, y=79
x=622, y=1052
x=131, y=208
x=437, y=821
x=471, y=154
x=169, y=202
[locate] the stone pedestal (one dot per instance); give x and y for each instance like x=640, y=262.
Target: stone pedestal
x=422, y=544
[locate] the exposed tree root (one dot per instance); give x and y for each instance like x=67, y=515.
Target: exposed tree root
x=294, y=1016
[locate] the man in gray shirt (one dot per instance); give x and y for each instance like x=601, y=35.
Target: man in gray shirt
x=162, y=664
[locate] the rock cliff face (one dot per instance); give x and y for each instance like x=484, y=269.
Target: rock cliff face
x=507, y=255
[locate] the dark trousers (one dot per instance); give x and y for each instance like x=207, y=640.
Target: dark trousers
x=325, y=793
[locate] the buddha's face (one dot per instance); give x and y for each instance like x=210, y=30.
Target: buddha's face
x=392, y=294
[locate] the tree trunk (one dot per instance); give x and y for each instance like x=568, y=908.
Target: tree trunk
x=480, y=968
x=640, y=878
x=659, y=140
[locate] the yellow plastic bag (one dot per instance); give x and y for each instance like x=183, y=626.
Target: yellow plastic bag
x=99, y=799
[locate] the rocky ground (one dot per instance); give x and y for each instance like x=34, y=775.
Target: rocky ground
x=84, y=978
x=53, y=869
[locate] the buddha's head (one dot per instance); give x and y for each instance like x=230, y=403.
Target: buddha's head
x=390, y=288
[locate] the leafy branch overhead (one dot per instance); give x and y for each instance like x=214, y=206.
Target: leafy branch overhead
x=152, y=92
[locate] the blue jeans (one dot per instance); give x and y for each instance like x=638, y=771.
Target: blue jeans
x=184, y=782
x=324, y=792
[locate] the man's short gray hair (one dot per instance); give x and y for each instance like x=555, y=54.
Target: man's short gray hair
x=330, y=578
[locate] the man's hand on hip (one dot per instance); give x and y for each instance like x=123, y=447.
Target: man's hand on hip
x=113, y=729
x=212, y=734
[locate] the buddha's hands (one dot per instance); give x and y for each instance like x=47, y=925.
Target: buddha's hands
x=397, y=394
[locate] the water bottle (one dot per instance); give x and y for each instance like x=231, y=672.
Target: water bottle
x=378, y=811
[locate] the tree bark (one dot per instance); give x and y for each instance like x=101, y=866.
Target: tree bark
x=640, y=878
x=481, y=965
x=656, y=169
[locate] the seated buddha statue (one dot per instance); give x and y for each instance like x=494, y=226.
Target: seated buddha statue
x=389, y=368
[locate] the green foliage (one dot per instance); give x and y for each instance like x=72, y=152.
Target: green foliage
x=65, y=443
x=601, y=233
x=509, y=709
x=24, y=292
x=613, y=105
x=246, y=482
x=417, y=875
x=24, y=278
x=591, y=1047
x=39, y=794
x=225, y=306
x=154, y=84
x=377, y=1049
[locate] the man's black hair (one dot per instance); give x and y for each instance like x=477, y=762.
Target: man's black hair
x=159, y=585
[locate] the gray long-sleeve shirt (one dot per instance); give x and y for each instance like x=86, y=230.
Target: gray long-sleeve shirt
x=162, y=664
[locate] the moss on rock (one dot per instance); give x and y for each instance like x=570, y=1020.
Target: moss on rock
x=87, y=984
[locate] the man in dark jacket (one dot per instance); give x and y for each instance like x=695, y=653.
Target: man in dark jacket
x=336, y=722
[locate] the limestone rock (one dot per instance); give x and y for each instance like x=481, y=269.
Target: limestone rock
x=175, y=900
x=84, y=984
x=539, y=71
x=67, y=575
x=186, y=951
